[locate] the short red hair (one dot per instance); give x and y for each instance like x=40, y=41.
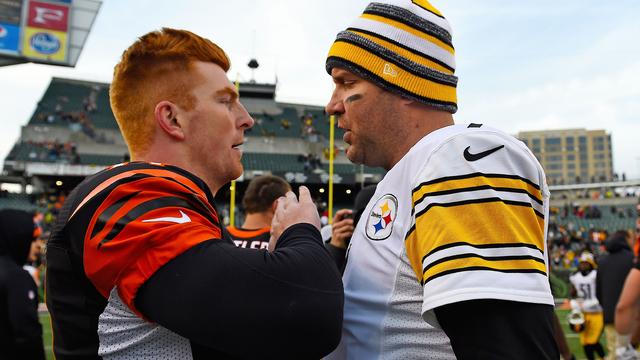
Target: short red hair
x=155, y=68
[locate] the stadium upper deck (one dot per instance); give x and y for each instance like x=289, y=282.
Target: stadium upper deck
x=73, y=132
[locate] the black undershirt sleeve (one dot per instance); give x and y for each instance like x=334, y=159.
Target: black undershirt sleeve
x=498, y=329
x=248, y=303
x=339, y=255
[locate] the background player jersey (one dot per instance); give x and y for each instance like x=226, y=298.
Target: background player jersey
x=585, y=286
x=250, y=238
x=462, y=216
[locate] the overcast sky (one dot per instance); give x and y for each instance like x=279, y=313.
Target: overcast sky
x=522, y=65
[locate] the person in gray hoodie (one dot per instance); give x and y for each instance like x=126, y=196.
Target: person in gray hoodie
x=20, y=330
x=612, y=272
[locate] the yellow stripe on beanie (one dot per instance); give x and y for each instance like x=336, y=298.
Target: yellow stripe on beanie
x=427, y=6
x=394, y=74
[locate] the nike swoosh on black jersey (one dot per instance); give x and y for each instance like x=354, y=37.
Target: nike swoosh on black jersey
x=473, y=157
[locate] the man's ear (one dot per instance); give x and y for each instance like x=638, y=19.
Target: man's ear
x=166, y=116
x=274, y=205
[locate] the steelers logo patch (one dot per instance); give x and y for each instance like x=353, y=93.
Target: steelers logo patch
x=381, y=218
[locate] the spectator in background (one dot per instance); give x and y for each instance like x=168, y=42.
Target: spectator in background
x=306, y=160
x=33, y=259
x=614, y=266
x=20, y=330
x=259, y=201
x=314, y=161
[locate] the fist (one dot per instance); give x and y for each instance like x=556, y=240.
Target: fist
x=290, y=211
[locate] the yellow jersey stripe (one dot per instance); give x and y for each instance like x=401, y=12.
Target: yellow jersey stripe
x=414, y=249
x=472, y=223
x=477, y=180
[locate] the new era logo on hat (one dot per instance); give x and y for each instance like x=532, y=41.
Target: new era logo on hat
x=388, y=70
x=410, y=41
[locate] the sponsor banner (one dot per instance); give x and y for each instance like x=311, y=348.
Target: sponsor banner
x=44, y=44
x=48, y=16
x=10, y=11
x=9, y=38
x=36, y=168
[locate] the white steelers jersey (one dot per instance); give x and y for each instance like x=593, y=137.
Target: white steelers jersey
x=585, y=286
x=462, y=216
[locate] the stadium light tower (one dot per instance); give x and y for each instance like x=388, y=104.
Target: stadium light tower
x=51, y=32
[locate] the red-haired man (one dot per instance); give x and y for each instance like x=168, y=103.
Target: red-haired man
x=138, y=266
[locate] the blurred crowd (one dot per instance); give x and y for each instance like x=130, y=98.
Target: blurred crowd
x=78, y=120
x=53, y=150
x=566, y=245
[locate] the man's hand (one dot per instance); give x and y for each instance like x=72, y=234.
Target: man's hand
x=342, y=228
x=291, y=211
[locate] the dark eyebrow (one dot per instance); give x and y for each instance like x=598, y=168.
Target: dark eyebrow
x=228, y=91
x=341, y=76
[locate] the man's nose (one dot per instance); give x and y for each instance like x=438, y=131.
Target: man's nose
x=335, y=105
x=246, y=121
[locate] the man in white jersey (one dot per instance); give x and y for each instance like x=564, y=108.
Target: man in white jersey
x=583, y=289
x=449, y=259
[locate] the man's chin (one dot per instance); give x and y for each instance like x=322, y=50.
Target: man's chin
x=359, y=159
x=237, y=172
x=354, y=157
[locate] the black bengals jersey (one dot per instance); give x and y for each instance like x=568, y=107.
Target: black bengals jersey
x=138, y=250
x=98, y=240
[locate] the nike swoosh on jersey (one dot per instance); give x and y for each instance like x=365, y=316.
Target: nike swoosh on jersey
x=184, y=218
x=473, y=157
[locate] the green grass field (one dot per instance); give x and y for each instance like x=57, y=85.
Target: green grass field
x=46, y=334
x=572, y=338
